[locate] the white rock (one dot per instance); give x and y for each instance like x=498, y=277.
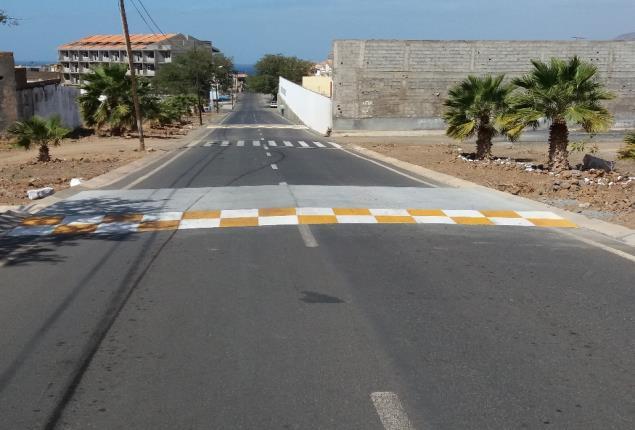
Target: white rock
x=76, y=181
x=39, y=193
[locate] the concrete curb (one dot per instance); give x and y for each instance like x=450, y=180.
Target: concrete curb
x=111, y=177
x=614, y=231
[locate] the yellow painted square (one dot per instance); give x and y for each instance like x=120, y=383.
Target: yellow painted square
x=561, y=223
x=131, y=218
x=351, y=211
x=75, y=229
x=317, y=219
x=276, y=212
x=201, y=215
x=158, y=225
x=426, y=212
x=43, y=220
x=239, y=222
x=472, y=221
x=387, y=219
x=500, y=214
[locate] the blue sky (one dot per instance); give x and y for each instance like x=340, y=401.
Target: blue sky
x=247, y=29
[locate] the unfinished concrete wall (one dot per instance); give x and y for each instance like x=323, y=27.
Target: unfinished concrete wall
x=8, y=102
x=402, y=84
x=49, y=100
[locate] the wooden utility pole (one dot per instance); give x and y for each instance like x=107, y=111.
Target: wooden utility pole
x=133, y=77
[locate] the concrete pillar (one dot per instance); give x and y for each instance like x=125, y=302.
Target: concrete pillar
x=8, y=99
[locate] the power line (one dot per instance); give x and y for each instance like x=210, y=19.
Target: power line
x=142, y=17
x=150, y=16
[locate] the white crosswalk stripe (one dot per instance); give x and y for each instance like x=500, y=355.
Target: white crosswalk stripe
x=300, y=144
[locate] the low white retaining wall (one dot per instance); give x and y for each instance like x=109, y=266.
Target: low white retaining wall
x=312, y=109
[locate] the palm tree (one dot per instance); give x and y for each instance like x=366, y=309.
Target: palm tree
x=562, y=92
x=473, y=107
x=107, y=99
x=628, y=151
x=39, y=131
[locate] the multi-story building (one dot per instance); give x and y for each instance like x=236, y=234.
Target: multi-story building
x=149, y=52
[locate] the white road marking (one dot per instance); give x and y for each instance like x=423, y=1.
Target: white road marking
x=538, y=214
x=335, y=145
x=256, y=143
x=187, y=224
x=307, y=236
x=390, y=411
x=268, y=154
x=319, y=144
x=356, y=219
x=434, y=220
x=282, y=183
x=225, y=143
x=389, y=212
x=405, y=175
x=287, y=143
x=239, y=213
x=464, y=213
x=274, y=166
x=278, y=220
x=192, y=144
x=303, y=144
x=207, y=145
x=315, y=211
x=272, y=143
x=240, y=143
x=163, y=216
x=606, y=248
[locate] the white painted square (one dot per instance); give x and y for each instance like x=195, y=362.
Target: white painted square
x=43, y=230
x=272, y=143
x=538, y=214
x=303, y=144
x=512, y=221
x=82, y=219
x=117, y=228
x=240, y=143
x=464, y=213
x=434, y=220
x=187, y=224
x=319, y=144
x=163, y=216
x=278, y=220
x=287, y=143
x=239, y=213
x=315, y=211
x=389, y=212
x=256, y=142
x=356, y=219
x=225, y=143
x=335, y=145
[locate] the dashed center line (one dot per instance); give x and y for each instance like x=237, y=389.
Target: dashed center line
x=268, y=154
x=391, y=412
x=240, y=143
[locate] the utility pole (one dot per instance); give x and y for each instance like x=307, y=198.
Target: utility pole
x=133, y=78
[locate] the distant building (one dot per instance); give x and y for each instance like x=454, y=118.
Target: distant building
x=149, y=52
x=324, y=68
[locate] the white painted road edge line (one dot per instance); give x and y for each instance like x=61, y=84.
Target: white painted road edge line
x=274, y=166
x=390, y=411
x=599, y=245
x=389, y=168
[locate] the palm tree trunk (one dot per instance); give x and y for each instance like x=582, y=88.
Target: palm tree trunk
x=483, y=143
x=44, y=155
x=558, y=144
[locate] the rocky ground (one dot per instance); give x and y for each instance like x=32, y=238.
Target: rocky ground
x=81, y=157
x=518, y=169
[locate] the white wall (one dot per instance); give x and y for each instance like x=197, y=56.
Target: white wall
x=50, y=100
x=313, y=109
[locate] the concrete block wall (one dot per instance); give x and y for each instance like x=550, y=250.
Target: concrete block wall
x=402, y=84
x=8, y=100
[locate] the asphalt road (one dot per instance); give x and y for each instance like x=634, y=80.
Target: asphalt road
x=350, y=327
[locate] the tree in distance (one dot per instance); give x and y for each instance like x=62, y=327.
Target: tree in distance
x=270, y=67
x=628, y=151
x=193, y=73
x=474, y=107
x=107, y=99
x=41, y=132
x=5, y=19
x=563, y=92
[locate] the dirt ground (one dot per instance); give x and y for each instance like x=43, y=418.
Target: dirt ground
x=517, y=170
x=82, y=157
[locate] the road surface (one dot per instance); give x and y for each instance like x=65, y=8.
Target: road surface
x=342, y=325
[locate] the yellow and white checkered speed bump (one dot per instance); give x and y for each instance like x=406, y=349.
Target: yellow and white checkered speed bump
x=233, y=218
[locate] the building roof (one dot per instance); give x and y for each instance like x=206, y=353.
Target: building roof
x=116, y=41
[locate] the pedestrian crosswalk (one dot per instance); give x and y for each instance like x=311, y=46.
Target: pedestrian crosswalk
x=299, y=144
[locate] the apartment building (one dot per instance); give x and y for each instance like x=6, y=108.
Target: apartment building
x=149, y=52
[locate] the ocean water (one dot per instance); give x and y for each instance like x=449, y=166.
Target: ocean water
x=245, y=68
